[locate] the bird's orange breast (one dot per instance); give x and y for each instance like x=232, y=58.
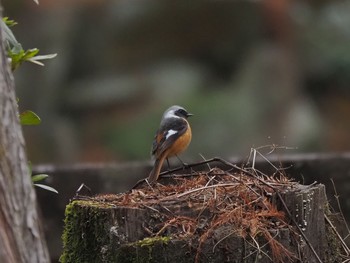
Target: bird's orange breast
x=181, y=143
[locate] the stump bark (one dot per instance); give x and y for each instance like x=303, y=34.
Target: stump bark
x=214, y=216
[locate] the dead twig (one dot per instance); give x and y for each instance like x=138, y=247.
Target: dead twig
x=336, y=195
x=345, y=246
x=203, y=188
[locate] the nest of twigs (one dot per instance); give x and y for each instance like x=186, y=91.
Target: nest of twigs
x=238, y=201
x=229, y=208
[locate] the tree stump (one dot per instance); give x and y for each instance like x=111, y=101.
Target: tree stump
x=207, y=216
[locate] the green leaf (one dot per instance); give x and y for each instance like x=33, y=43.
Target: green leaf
x=39, y=177
x=46, y=187
x=36, y=59
x=18, y=56
x=9, y=22
x=30, y=53
x=15, y=54
x=43, y=57
x=29, y=118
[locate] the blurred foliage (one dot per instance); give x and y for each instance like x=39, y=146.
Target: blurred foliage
x=253, y=72
x=40, y=177
x=15, y=52
x=17, y=56
x=9, y=22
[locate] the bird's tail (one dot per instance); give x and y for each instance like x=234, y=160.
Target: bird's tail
x=154, y=174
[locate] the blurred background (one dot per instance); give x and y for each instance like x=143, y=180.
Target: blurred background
x=253, y=73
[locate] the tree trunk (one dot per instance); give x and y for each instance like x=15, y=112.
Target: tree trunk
x=21, y=235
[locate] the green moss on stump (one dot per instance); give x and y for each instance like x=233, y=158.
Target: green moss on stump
x=83, y=237
x=90, y=236
x=150, y=241
x=141, y=251
x=154, y=250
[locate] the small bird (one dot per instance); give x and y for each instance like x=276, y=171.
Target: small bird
x=172, y=137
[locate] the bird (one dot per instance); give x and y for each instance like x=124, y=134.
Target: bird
x=172, y=137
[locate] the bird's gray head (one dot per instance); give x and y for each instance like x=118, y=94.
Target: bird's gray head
x=176, y=111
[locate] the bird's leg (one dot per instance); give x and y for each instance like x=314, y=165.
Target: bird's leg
x=185, y=165
x=167, y=161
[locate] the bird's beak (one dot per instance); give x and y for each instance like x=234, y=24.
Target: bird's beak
x=189, y=115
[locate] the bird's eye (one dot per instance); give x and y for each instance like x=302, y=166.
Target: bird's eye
x=182, y=112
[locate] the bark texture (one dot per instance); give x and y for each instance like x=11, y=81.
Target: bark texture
x=21, y=236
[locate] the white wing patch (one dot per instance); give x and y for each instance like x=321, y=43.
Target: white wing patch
x=170, y=133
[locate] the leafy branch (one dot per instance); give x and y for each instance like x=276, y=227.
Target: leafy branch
x=39, y=177
x=17, y=55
